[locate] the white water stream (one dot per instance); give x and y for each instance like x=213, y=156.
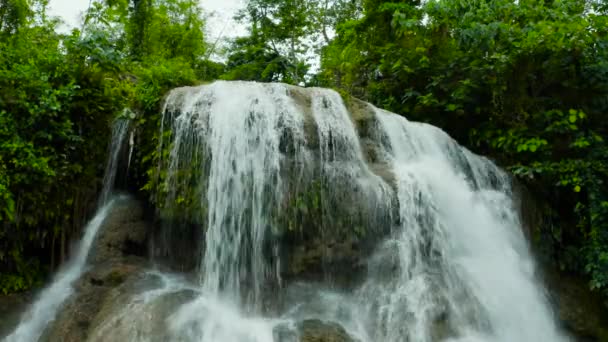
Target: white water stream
x=49, y=300
x=463, y=266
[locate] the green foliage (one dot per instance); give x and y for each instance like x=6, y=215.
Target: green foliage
x=25, y=276
x=310, y=210
x=251, y=60
x=274, y=50
x=13, y=15
x=46, y=131
x=59, y=94
x=303, y=210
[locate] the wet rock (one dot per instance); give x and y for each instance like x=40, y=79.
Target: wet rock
x=74, y=319
x=177, y=245
x=311, y=330
x=441, y=329
x=318, y=331
x=139, y=307
x=342, y=259
x=117, y=256
x=124, y=234
x=582, y=312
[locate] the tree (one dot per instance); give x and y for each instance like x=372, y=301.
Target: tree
x=14, y=14
x=276, y=47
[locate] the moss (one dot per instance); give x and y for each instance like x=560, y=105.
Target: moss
x=115, y=277
x=315, y=208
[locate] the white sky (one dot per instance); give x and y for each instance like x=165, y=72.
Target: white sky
x=219, y=15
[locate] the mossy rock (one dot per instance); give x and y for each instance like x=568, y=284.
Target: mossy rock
x=312, y=330
x=315, y=330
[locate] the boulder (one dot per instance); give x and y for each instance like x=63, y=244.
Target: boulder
x=139, y=307
x=315, y=330
x=311, y=330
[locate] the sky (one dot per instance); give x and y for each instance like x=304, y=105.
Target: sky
x=219, y=15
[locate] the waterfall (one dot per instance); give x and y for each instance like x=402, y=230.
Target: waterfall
x=120, y=128
x=463, y=267
x=293, y=190
x=49, y=300
x=236, y=147
x=454, y=266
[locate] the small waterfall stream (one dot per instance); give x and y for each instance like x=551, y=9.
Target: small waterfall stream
x=50, y=299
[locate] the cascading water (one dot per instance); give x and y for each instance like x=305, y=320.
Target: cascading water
x=120, y=128
x=455, y=267
x=235, y=195
x=45, y=308
x=283, y=181
x=463, y=269
x=50, y=300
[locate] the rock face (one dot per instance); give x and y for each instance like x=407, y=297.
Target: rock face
x=123, y=236
x=319, y=173
x=118, y=255
x=582, y=312
x=343, y=259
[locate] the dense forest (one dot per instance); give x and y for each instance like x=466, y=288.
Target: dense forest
x=522, y=82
